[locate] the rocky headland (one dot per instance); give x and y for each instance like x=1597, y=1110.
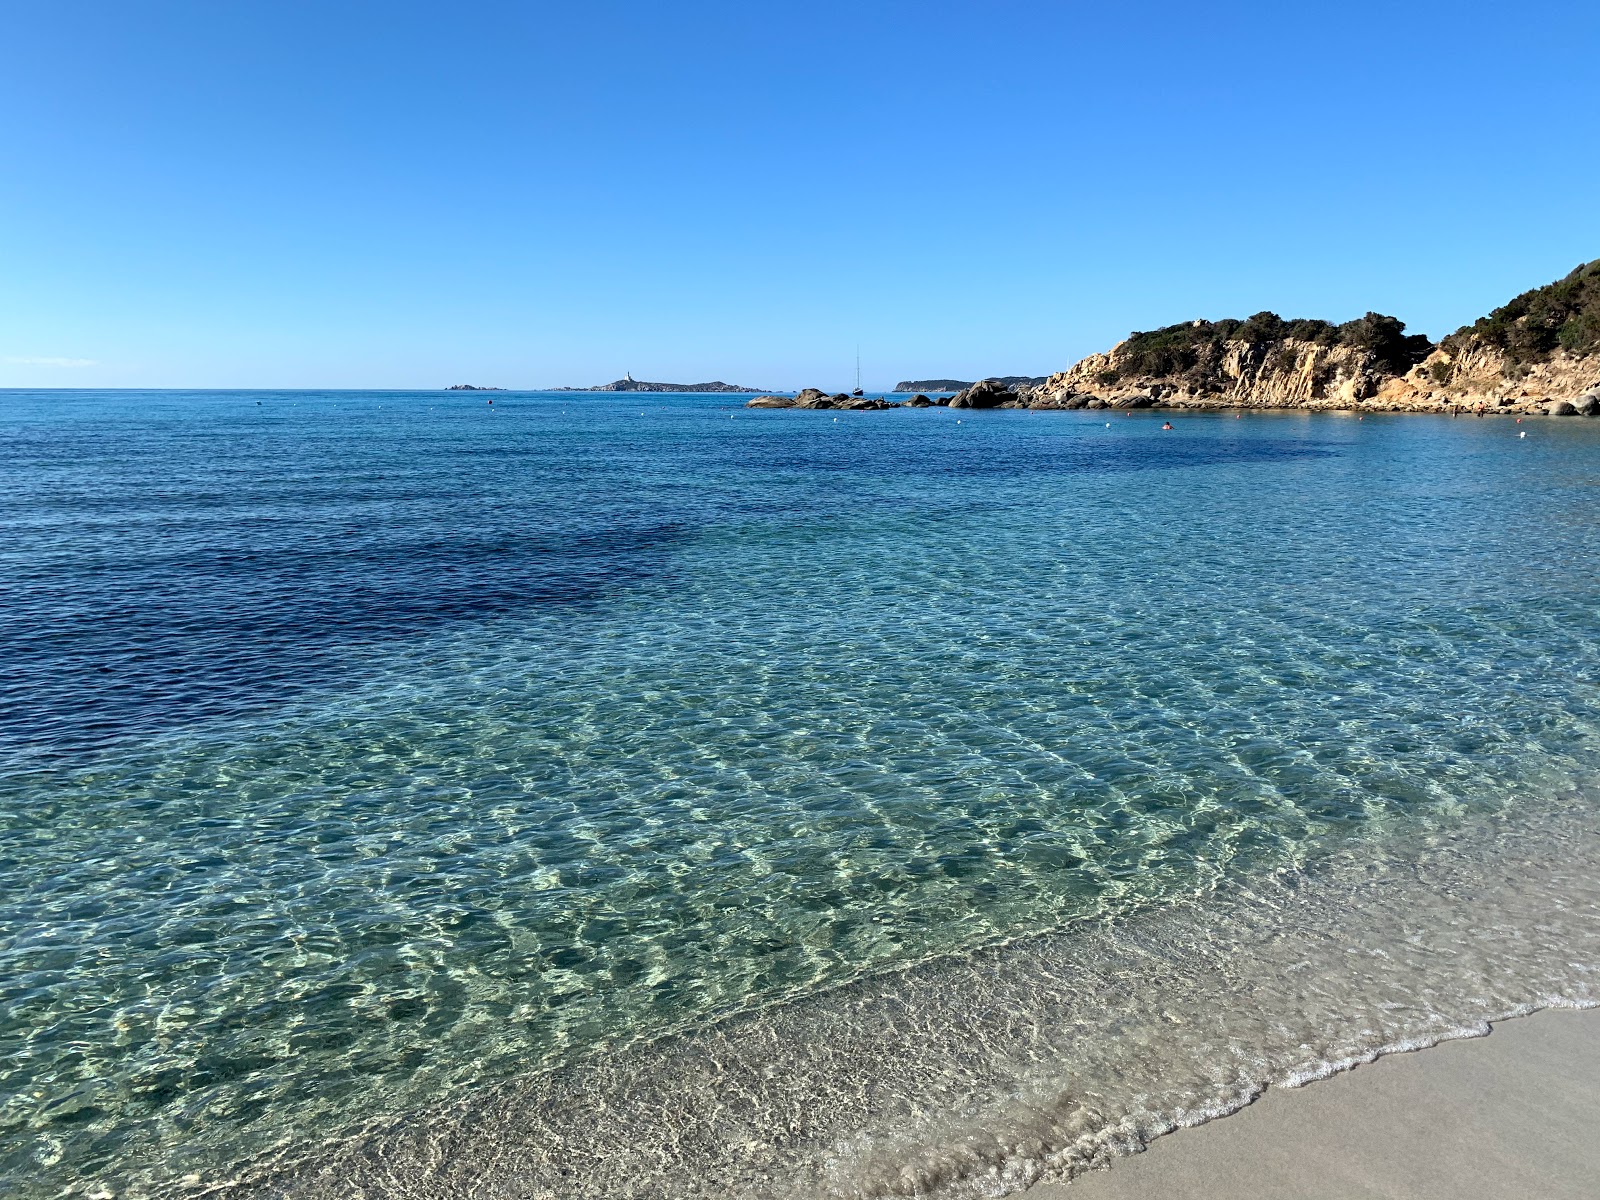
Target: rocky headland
x=1539, y=353
x=468, y=387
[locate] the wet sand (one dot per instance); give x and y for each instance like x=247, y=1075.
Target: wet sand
x=1516, y=1113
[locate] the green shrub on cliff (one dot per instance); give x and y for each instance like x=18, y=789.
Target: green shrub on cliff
x=1562, y=315
x=1191, y=351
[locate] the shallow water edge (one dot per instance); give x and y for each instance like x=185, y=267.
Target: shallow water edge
x=1029, y=1061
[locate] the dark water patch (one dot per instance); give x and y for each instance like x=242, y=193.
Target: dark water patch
x=164, y=563
x=98, y=654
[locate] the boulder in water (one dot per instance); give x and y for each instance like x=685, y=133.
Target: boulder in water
x=986, y=393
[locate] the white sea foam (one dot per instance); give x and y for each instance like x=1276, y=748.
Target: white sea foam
x=1033, y=1060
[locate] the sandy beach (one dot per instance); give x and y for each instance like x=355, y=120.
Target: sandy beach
x=1514, y=1114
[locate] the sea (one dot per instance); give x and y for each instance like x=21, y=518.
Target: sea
x=541, y=795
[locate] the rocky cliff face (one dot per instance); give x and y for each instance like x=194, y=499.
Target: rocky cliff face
x=1540, y=349
x=1232, y=373
x=1539, y=353
x=1474, y=376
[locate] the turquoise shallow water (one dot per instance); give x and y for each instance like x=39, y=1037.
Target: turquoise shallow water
x=362, y=751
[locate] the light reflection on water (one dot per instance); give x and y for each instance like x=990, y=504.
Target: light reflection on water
x=357, y=757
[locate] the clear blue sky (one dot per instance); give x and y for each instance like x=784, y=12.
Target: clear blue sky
x=349, y=194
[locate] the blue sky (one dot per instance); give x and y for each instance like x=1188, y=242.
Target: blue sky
x=396, y=194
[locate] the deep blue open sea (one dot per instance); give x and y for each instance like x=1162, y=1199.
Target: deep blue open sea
x=403, y=794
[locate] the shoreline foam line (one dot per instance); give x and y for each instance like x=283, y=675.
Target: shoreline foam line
x=1479, y=1116
x=1030, y=1062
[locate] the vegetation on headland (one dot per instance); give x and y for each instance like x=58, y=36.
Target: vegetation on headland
x=1189, y=351
x=1540, y=353
x=1564, y=315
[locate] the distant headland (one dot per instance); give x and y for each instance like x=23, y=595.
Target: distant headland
x=468, y=387
x=961, y=385
x=629, y=384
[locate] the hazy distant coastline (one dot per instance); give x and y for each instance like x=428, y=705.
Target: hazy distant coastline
x=629, y=384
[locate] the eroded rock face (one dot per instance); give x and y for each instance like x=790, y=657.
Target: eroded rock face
x=919, y=401
x=770, y=402
x=1292, y=374
x=1562, y=408
x=1478, y=376
x=1286, y=374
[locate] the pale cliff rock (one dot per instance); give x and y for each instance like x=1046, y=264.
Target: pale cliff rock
x=1287, y=374
x=1296, y=374
x=1539, y=352
x=1475, y=375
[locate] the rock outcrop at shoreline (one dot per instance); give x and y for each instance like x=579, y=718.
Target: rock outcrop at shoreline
x=986, y=393
x=817, y=398
x=1539, y=353
x=1263, y=362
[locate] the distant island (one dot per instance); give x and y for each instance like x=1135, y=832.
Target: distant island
x=1537, y=353
x=629, y=384
x=467, y=387
x=961, y=385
